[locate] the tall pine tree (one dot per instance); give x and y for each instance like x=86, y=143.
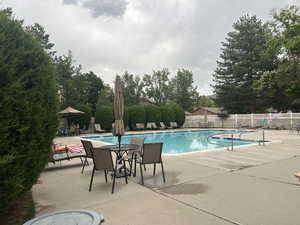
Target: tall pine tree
x=242, y=63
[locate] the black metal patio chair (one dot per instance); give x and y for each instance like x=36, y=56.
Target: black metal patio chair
x=88, y=147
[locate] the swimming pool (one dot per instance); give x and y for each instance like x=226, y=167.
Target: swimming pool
x=178, y=141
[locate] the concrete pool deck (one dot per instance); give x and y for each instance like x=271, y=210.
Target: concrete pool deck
x=250, y=185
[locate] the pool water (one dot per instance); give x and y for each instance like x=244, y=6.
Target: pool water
x=179, y=141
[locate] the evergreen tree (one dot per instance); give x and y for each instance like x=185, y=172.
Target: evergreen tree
x=184, y=93
x=242, y=63
x=132, y=88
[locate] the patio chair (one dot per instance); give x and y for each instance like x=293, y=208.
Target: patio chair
x=98, y=128
x=88, y=148
x=151, y=155
x=103, y=160
x=132, y=155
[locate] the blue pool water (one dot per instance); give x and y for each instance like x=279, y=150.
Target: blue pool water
x=178, y=142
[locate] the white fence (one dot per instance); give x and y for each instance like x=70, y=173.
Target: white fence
x=267, y=120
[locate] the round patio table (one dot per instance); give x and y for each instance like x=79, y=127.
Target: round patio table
x=68, y=217
x=120, y=151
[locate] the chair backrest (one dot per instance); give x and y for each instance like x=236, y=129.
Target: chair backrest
x=138, y=141
x=152, y=153
x=149, y=125
x=88, y=148
x=162, y=124
x=140, y=126
x=102, y=159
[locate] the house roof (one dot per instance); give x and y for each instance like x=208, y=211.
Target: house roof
x=215, y=110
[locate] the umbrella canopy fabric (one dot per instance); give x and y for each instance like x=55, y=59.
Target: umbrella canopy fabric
x=118, y=129
x=70, y=110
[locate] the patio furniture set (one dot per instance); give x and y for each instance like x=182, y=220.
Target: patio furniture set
x=137, y=152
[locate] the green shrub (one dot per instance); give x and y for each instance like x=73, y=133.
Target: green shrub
x=167, y=114
x=179, y=115
x=136, y=115
x=153, y=114
x=28, y=106
x=82, y=119
x=104, y=116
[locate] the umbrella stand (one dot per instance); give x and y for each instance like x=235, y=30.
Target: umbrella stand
x=119, y=140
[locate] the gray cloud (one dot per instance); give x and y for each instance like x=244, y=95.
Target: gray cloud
x=111, y=8
x=152, y=34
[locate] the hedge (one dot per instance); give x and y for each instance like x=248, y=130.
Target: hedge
x=28, y=106
x=179, y=115
x=167, y=114
x=153, y=114
x=137, y=114
x=82, y=119
x=104, y=116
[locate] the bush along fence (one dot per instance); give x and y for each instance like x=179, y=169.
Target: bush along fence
x=141, y=114
x=288, y=120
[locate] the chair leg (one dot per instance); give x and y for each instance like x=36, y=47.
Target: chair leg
x=134, y=166
x=105, y=173
x=142, y=177
x=154, y=168
x=125, y=171
x=114, y=181
x=85, y=161
x=145, y=167
x=92, y=177
x=163, y=172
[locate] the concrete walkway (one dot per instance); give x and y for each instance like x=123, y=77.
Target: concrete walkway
x=250, y=185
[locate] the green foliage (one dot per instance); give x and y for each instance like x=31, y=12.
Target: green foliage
x=153, y=114
x=132, y=89
x=104, y=115
x=76, y=87
x=137, y=114
x=157, y=86
x=28, y=105
x=205, y=101
x=179, y=115
x=82, y=119
x=242, y=64
x=184, y=93
x=106, y=96
x=167, y=114
x=281, y=86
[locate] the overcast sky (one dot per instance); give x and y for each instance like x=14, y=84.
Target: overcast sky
x=112, y=36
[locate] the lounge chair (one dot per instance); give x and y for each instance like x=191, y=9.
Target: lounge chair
x=98, y=128
x=151, y=155
x=102, y=159
x=173, y=125
x=162, y=125
x=149, y=126
x=139, y=126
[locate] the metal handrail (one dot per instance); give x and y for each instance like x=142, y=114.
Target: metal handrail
x=231, y=132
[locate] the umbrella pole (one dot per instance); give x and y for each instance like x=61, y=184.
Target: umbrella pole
x=119, y=140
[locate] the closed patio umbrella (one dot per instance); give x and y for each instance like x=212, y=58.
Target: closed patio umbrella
x=118, y=128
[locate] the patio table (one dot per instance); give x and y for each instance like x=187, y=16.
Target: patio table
x=120, y=151
x=68, y=217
